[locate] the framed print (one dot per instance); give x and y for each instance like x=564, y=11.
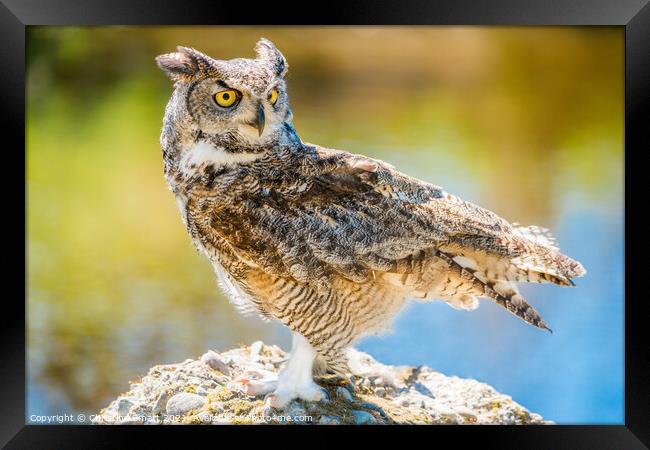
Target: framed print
x=381, y=217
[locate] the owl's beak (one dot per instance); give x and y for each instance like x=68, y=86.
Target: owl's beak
x=259, y=121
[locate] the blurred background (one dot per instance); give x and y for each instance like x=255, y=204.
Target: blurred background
x=527, y=122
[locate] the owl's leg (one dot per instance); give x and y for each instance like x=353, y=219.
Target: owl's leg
x=296, y=378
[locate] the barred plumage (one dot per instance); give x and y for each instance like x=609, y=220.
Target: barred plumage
x=330, y=243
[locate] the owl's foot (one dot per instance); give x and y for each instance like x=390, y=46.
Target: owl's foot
x=310, y=392
x=255, y=382
x=295, y=380
x=253, y=387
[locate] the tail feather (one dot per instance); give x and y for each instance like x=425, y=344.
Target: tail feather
x=532, y=262
x=504, y=294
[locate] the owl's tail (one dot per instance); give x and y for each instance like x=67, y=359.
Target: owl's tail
x=504, y=293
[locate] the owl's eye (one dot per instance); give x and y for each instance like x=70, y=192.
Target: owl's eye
x=273, y=96
x=227, y=98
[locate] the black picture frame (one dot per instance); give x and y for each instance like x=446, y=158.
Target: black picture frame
x=633, y=15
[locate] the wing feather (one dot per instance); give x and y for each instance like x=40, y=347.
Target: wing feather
x=351, y=215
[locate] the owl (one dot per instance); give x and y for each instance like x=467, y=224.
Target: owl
x=331, y=244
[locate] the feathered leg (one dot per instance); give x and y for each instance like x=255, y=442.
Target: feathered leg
x=296, y=378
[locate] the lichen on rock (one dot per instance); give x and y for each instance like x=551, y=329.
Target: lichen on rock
x=201, y=392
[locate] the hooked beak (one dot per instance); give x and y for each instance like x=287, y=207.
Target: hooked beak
x=259, y=120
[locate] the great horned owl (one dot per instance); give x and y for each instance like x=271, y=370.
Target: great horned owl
x=332, y=244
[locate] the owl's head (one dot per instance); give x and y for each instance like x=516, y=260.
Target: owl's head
x=239, y=99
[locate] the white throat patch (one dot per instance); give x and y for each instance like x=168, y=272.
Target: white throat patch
x=202, y=154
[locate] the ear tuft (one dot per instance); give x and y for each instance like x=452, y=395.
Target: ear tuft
x=176, y=65
x=269, y=53
x=183, y=63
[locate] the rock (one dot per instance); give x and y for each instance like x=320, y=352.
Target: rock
x=535, y=417
x=212, y=359
x=161, y=401
x=363, y=418
x=268, y=413
x=403, y=401
x=202, y=391
x=181, y=404
x=204, y=417
x=296, y=412
x=343, y=394
x=329, y=420
x=382, y=395
x=446, y=412
x=466, y=412
x=133, y=421
x=124, y=406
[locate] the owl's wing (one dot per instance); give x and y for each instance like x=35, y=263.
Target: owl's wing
x=366, y=216
x=349, y=215
x=332, y=213
x=411, y=212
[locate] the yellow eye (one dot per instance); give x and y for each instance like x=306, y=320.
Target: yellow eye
x=273, y=96
x=226, y=99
